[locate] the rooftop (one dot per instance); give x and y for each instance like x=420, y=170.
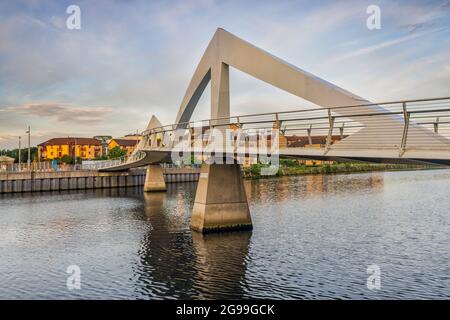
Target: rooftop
x=71, y=141
x=125, y=142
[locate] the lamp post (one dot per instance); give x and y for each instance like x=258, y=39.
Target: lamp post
x=29, y=148
x=75, y=153
x=20, y=153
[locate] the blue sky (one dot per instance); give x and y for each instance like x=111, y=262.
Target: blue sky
x=132, y=59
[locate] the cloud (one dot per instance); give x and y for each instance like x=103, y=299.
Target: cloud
x=9, y=141
x=387, y=44
x=138, y=59
x=7, y=137
x=415, y=17
x=63, y=113
x=167, y=15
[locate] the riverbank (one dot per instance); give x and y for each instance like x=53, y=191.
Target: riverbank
x=18, y=182
x=76, y=180
x=292, y=168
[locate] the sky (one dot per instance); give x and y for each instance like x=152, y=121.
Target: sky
x=132, y=59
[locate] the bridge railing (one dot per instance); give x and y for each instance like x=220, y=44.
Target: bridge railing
x=103, y=164
x=42, y=166
x=398, y=124
x=100, y=164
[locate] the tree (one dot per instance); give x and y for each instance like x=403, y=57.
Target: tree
x=102, y=157
x=15, y=154
x=66, y=159
x=116, y=152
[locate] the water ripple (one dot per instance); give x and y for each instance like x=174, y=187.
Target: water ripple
x=313, y=238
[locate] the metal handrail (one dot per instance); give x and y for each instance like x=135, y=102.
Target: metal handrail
x=175, y=126
x=405, y=115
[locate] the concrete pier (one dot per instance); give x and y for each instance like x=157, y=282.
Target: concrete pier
x=220, y=201
x=154, y=179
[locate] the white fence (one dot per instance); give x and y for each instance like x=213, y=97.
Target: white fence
x=42, y=166
x=100, y=164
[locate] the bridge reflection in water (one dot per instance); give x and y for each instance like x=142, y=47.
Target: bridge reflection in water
x=176, y=262
x=180, y=263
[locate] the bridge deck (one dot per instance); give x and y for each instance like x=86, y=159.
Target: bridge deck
x=163, y=155
x=401, y=131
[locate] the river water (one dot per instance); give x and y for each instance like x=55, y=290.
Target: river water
x=314, y=238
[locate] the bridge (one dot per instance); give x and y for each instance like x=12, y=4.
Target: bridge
x=344, y=127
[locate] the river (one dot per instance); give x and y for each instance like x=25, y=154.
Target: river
x=314, y=238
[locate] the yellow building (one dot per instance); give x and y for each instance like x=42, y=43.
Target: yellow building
x=84, y=148
x=125, y=144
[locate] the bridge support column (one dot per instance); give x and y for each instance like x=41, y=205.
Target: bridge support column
x=220, y=201
x=154, y=179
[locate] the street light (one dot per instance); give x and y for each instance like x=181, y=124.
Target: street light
x=29, y=148
x=75, y=152
x=20, y=153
